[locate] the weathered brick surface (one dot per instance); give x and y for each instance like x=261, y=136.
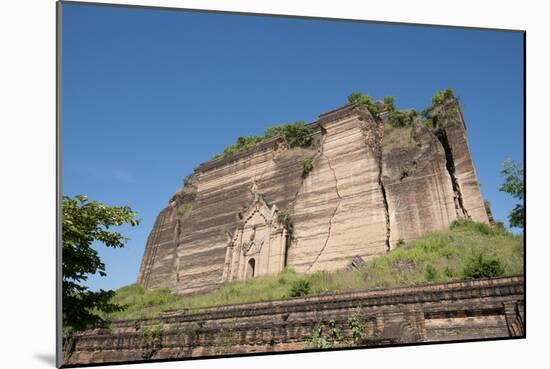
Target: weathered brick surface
x=491, y=308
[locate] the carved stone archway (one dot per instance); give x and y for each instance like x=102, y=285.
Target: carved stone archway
x=259, y=238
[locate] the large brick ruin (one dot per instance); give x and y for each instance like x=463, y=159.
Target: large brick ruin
x=455, y=311
x=370, y=186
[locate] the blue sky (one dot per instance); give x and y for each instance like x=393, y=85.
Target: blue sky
x=149, y=94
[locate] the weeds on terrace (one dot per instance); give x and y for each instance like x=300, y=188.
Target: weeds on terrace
x=151, y=337
x=451, y=254
x=226, y=337
x=296, y=134
x=300, y=288
x=355, y=324
x=325, y=336
x=483, y=266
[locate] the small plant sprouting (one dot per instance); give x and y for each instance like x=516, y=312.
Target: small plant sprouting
x=151, y=337
x=285, y=219
x=404, y=172
x=226, y=337
x=400, y=243
x=242, y=209
x=333, y=332
x=307, y=166
x=317, y=340
x=358, y=335
x=187, y=179
x=183, y=209
x=431, y=273
x=300, y=288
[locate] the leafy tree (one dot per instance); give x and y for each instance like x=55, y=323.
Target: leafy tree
x=84, y=222
x=513, y=184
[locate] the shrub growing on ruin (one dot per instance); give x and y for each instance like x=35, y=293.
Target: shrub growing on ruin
x=401, y=118
x=442, y=96
x=373, y=107
x=317, y=340
x=483, y=266
x=242, y=143
x=300, y=288
x=187, y=179
x=285, y=219
x=296, y=134
x=439, y=100
x=151, y=339
x=307, y=166
x=183, y=209
x=396, y=118
x=355, y=324
x=403, y=173
x=389, y=103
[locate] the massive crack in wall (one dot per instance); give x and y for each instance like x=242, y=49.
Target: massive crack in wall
x=339, y=213
x=371, y=185
x=453, y=128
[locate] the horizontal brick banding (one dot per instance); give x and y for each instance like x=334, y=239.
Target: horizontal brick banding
x=489, y=308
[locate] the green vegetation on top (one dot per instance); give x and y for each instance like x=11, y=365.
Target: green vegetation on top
x=466, y=250
x=401, y=118
x=296, y=134
x=396, y=117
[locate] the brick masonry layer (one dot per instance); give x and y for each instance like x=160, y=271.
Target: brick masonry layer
x=455, y=311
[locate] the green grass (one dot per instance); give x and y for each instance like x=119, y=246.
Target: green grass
x=466, y=249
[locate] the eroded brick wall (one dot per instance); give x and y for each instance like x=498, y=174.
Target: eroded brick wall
x=491, y=308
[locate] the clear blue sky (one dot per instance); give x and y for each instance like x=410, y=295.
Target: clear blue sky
x=149, y=94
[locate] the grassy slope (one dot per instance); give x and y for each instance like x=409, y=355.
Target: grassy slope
x=435, y=257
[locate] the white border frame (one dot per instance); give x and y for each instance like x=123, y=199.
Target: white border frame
x=27, y=149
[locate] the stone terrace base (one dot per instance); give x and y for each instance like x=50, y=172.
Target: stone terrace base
x=489, y=308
